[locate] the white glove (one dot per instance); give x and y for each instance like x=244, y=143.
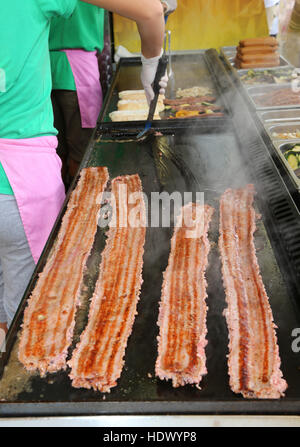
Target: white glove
x=148, y=75
x=171, y=5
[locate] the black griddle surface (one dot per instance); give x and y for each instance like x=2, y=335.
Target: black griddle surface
x=182, y=162
x=190, y=70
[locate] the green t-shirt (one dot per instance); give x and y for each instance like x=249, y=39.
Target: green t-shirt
x=84, y=30
x=5, y=187
x=25, y=73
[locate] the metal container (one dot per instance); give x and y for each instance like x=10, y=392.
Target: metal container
x=256, y=92
x=287, y=71
x=281, y=148
x=283, y=128
x=229, y=52
x=279, y=116
x=283, y=63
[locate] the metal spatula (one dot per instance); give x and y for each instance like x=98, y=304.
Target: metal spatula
x=161, y=69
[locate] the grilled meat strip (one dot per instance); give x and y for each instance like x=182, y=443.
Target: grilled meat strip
x=50, y=314
x=182, y=316
x=254, y=362
x=97, y=361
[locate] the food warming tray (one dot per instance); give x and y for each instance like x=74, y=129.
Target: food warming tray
x=279, y=116
x=281, y=147
x=228, y=53
x=282, y=70
x=272, y=128
x=182, y=161
x=255, y=92
x=283, y=63
x=228, y=50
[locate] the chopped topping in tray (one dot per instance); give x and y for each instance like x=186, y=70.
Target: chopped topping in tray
x=292, y=155
x=286, y=135
x=273, y=76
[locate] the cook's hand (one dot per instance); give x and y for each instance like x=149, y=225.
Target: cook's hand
x=169, y=6
x=148, y=75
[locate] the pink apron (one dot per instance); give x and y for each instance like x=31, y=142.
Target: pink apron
x=84, y=65
x=34, y=172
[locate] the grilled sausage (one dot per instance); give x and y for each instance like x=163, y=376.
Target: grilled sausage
x=269, y=41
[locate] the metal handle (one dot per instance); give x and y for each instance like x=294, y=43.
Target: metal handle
x=160, y=72
x=169, y=52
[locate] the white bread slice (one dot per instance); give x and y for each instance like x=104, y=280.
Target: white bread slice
x=135, y=95
x=125, y=104
x=131, y=115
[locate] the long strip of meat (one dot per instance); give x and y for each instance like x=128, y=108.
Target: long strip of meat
x=182, y=315
x=49, y=317
x=97, y=361
x=253, y=362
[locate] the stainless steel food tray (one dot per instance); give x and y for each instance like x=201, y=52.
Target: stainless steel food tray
x=282, y=127
x=279, y=116
x=283, y=63
x=280, y=148
x=254, y=92
x=257, y=83
x=230, y=52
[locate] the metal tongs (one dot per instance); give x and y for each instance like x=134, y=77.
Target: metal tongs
x=161, y=69
x=171, y=75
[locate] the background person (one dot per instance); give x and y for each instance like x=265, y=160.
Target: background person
x=77, y=93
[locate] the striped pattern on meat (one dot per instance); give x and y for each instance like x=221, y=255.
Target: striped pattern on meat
x=97, y=361
x=49, y=317
x=182, y=315
x=253, y=362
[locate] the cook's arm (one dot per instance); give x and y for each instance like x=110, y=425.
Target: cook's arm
x=149, y=17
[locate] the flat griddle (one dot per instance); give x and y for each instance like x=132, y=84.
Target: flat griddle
x=183, y=160
x=189, y=69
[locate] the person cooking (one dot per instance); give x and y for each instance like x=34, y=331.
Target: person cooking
x=31, y=187
x=77, y=95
